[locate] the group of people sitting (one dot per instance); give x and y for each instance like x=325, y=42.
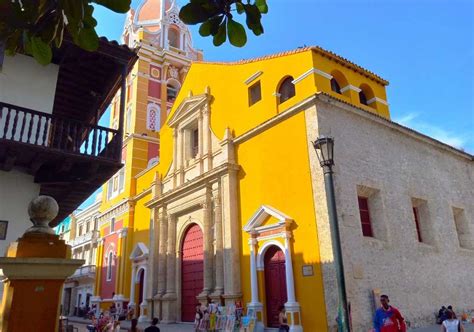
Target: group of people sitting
x=448, y=320
x=109, y=323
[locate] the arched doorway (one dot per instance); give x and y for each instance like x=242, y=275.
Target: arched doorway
x=275, y=283
x=192, y=267
x=140, y=281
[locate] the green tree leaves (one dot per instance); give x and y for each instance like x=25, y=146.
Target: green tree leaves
x=34, y=27
x=216, y=18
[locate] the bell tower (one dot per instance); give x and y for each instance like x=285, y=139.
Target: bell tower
x=165, y=49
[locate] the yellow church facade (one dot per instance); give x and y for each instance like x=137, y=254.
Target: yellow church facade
x=228, y=213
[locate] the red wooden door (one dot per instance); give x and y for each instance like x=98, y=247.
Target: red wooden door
x=275, y=284
x=192, y=267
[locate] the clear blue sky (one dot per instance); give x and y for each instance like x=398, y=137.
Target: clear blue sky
x=425, y=48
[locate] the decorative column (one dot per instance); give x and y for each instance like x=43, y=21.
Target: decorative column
x=292, y=306
x=208, y=251
x=219, y=258
x=162, y=253
x=36, y=266
x=131, y=303
x=254, y=301
x=143, y=306
x=119, y=297
x=169, y=299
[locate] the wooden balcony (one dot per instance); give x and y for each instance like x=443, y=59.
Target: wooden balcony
x=57, y=133
x=69, y=158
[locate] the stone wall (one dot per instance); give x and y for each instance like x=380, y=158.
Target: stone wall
x=397, y=169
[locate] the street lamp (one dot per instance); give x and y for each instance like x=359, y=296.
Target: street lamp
x=324, y=147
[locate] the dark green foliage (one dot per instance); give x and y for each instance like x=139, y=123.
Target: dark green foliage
x=35, y=26
x=216, y=18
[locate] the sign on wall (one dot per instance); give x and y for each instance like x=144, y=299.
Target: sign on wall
x=308, y=270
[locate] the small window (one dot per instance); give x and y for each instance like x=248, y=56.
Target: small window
x=362, y=98
x=195, y=143
x=335, y=86
x=423, y=225
x=287, y=89
x=110, y=258
x=416, y=218
x=121, y=179
x=88, y=227
x=462, y=229
x=365, y=216
x=80, y=230
x=153, y=119
x=255, y=93
x=128, y=122
x=112, y=225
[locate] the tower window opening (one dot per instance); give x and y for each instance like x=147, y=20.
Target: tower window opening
x=171, y=93
x=335, y=86
x=363, y=98
x=173, y=38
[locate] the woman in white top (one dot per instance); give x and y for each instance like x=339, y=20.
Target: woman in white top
x=452, y=324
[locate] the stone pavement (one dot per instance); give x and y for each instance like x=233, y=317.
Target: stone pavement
x=468, y=327
x=81, y=325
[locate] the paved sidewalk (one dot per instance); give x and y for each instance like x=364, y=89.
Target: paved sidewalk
x=468, y=327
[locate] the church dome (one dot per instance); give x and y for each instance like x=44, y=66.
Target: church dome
x=151, y=11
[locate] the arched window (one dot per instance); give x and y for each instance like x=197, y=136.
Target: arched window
x=366, y=95
x=286, y=90
x=335, y=86
x=362, y=98
x=173, y=37
x=153, y=117
x=110, y=258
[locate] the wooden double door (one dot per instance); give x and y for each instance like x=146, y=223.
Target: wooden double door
x=192, y=271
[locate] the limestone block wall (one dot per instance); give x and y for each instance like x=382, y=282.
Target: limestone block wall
x=397, y=169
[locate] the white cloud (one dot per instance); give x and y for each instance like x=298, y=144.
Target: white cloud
x=458, y=140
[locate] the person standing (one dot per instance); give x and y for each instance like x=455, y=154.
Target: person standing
x=284, y=327
x=452, y=324
x=153, y=327
x=388, y=318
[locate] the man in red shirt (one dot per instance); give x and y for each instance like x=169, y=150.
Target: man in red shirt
x=388, y=318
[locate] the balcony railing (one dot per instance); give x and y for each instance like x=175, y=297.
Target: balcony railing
x=58, y=133
x=84, y=271
x=84, y=238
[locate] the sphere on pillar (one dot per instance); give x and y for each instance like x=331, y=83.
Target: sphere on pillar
x=42, y=211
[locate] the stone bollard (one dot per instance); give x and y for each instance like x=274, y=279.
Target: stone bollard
x=36, y=266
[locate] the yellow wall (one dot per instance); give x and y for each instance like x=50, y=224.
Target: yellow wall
x=275, y=172
x=275, y=163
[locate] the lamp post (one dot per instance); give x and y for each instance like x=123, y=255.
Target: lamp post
x=324, y=147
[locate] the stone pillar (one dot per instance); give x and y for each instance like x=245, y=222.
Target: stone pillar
x=231, y=245
x=36, y=267
x=208, y=252
x=230, y=224
x=169, y=299
x=162, y=253
x=219, y=257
